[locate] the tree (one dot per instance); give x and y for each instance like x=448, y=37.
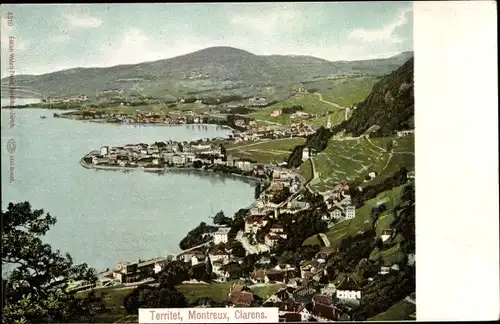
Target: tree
x=146, y=296
x=36, y=290
x=221, y=219
x=223, y=150
x=174, y=273
x=238, y=250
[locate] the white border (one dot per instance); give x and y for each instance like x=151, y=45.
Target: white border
x=456, y=160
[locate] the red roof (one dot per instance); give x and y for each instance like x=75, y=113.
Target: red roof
x=322, y=299
x=242, y=298
x=325, y=311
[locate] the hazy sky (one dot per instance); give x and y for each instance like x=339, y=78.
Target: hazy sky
x=55, y=37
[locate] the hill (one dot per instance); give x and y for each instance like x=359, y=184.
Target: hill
x=390, y=105
x=209, y=70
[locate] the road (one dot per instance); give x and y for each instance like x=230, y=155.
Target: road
x=375, y=145
x=193, y=248
x=251, y=249
x=411, y=299
x=328, y=102
x=325, y=239
x=315, y=174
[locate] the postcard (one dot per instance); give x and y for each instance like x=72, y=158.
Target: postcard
x=207, y=162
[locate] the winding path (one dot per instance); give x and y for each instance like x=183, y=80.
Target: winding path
x=325, y=239
x=329, y=102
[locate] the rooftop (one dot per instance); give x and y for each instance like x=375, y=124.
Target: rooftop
x=348, y=283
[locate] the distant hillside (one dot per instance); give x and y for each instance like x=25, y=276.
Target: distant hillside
x=390, y=105
x=209, y=70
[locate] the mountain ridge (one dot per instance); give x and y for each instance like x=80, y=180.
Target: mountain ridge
x=213, y=67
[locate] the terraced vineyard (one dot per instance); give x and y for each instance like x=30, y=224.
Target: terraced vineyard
x=352, y=159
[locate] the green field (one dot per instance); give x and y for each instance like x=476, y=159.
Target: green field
x=401, y=311
x=311, y=104
x=266, y=151
x=265, y=292
x=112, y=300
x=217, y=291
x=352, y=159
x=306, y=171
x=389, y=256
x=344, y=91
x=220, y=291
x=362, y=222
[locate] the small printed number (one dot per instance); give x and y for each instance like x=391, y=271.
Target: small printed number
x=10, y=19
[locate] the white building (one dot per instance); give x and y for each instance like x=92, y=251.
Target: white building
x=336, y=212
x=350, y=212
x=254, y=223
x=221, y=236
x=348, y=291
x=104, y=150
x=157, y=268
x=305, y=153
x=243, y=165
x=386, y=234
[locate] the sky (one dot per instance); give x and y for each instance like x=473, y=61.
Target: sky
x=52, y=37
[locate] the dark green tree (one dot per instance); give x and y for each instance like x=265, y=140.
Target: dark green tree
x=174, y=273
x=221, y=219
x=36, y=290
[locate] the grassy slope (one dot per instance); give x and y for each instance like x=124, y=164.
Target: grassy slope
x=362, y=222
x=401, y=311
x=112, y=300
x=306, y=171
x=311, y=104
x=264, y=151
x=345, y=91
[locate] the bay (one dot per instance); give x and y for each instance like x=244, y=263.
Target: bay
x=108, y=216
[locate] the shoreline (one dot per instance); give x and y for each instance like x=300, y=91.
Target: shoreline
x=149, y=124
x=165, y=170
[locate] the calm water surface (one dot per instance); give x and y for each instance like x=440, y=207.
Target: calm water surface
x=108, y=216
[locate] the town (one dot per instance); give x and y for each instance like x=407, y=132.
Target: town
x=247, y=253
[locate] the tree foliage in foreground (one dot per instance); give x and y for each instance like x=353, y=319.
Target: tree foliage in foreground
x=35, y=291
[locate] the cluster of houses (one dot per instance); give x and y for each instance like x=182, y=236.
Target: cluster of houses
x=304, y=296
x=170, y=153
x=73, y=99
x=405, y=132
x=155, y=155
x=338, y=204
x=295, y=115
x=142, y=117
x=274, y=132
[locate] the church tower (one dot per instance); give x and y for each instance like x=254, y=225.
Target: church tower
x=328, y=123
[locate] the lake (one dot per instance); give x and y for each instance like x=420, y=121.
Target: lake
x=108, y=216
